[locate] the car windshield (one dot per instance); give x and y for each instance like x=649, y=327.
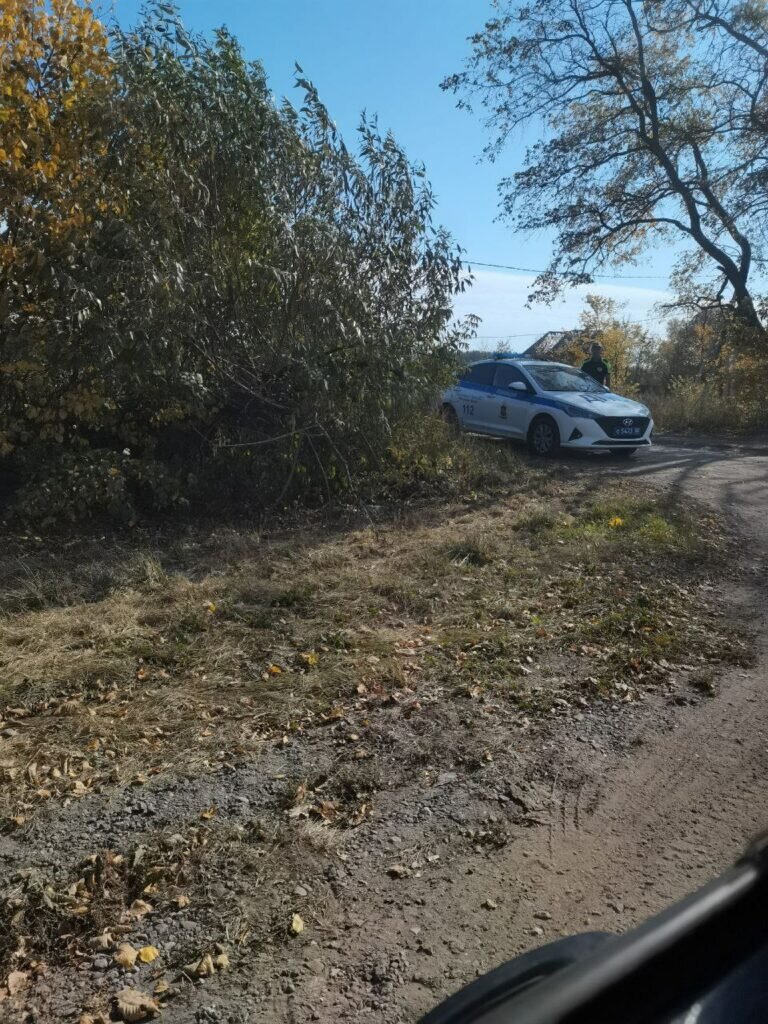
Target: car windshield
x=563, y=378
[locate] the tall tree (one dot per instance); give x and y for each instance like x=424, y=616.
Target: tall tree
x=652, y=118
x=201, y=291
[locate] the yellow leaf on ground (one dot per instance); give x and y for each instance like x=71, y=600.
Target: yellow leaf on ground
x=182, y=901
x=297, y=924
x=101, y=942
x=139, y=908
x=202, y=968
x=208, y=813
x=148, y=953
x=274, y=670
x=17, y=980
x=133, y=1005
x=126, y=955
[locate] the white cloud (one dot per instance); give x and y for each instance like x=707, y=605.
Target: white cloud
x=499, y=298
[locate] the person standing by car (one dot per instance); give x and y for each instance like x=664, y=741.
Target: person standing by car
x=596, y=367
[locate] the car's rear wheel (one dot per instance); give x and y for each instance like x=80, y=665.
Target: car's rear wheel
x=544, y=437
x=623, y=453
x=452, y=420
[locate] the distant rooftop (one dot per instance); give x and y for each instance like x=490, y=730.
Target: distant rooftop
x=556, y=343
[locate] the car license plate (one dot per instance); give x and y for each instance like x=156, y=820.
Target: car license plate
x=627, y=431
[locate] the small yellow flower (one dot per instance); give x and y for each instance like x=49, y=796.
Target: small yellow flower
x=210, y=607
x=616, y=522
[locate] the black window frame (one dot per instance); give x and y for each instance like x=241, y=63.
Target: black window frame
x=510, y=367
x=467, y=378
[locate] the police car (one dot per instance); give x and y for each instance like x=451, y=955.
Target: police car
x=549, y=405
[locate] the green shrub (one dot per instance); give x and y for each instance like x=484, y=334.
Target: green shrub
x=82, y=483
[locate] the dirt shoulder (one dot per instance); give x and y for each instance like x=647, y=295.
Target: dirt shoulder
x=756, y=443
x=342, y=772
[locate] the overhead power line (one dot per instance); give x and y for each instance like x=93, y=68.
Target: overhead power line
x=530, y=270
x=568, y=330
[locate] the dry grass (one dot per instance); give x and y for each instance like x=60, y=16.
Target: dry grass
x=193, y=653
x=700, y=407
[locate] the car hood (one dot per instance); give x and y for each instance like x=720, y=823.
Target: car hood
x=603, y=403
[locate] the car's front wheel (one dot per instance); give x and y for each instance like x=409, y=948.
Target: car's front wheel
x=544, y=437
x=623, y=453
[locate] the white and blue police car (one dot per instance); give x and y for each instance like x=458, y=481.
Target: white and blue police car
x=549, y=405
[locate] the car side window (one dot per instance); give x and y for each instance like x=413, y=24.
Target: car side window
x=506, y=374
x=480, y=373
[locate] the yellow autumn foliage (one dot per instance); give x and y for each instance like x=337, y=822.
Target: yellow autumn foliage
x=56, y=74
x=54, y=63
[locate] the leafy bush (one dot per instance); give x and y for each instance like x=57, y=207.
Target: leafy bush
x=83, y=482
x=205, y=278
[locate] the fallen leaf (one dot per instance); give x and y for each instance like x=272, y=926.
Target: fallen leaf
x=161, y=987
x=148, y=953
x=202, y=968
x=102, y=942
x=274, y=670
x=126, y=955
x=221, y=962
x=182, y=901
x=208, y=813
x=139, y=908
x=133, y=1005
x=17, y=980
x=297, y=924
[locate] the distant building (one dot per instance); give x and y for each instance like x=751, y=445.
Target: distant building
x=560, y=345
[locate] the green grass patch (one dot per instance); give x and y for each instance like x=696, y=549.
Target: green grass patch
x=645, y=524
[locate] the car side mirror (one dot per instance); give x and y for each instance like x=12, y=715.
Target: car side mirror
x=518, y=385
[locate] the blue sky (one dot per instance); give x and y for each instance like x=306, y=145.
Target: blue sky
x=389, y=57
